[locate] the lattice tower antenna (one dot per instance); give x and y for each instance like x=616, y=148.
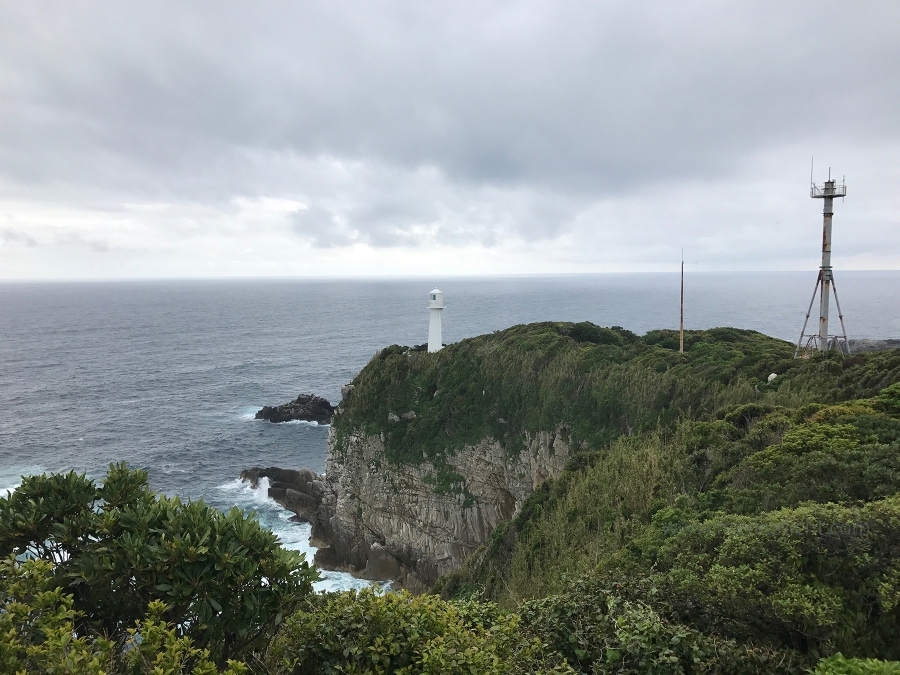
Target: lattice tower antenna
x=822, y=341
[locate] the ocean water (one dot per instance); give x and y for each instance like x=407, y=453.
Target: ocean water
x=167, y=375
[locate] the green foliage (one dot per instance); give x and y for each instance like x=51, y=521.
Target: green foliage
x=37, y=634
x=888, y=399
x=598, y=382
x=707, y=521
x=599, y=631
x=594, y=383
x=747, y=459
x=588, y=384
x=566, y=528
x=818, y=461
x=36, y=625
x=224, y=579
x=48, y=517
x=819, y=578
x=838, y=665
x=154, y=647
x=367, y=632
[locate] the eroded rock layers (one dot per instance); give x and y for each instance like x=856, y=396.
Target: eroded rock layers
x=396, y=522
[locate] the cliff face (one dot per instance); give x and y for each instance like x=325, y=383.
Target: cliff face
x=429, y=452
x=392, y=521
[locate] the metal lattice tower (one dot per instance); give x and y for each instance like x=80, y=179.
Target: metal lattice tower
x=822, y=341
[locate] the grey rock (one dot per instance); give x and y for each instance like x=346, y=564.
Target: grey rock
x=306, y=408
x=297, y=490
x=381, y=565
x=428, y=534
x=392, y=417
x=388, y=523
x=870, y=345
x=411, y=415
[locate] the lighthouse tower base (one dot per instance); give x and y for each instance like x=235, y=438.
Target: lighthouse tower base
x=434, y=330
x=436, y=306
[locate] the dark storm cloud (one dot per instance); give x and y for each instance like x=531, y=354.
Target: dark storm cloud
x=613, y=92
x=560, y=103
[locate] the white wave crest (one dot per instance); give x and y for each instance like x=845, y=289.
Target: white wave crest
x=292, y=535
x=244, y=494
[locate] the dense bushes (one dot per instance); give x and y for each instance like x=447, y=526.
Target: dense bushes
x=838, y=665
x=367, y=632
x=707, y=521
x=37, y=634
x=598, y=382
x=599, y=630
x=720, y=510
x=117, y=547
x=748, y=459
x=819, y=578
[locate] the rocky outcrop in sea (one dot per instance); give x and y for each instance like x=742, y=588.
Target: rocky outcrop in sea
x=306, y=408
x=300, y=491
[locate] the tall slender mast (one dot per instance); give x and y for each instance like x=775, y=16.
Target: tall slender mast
x=681, y=324
x=825, y=282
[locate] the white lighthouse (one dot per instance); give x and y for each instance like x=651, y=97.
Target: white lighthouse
x=436, y=306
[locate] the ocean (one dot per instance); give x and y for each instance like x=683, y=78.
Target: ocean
x=167, y=375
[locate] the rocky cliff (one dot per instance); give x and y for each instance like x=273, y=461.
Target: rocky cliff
x=429, y=452
x=393, y=522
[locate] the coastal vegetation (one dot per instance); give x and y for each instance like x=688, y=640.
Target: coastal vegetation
x=117, y=555
x=709, y=519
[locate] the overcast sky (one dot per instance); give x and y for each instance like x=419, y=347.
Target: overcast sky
x=182, y=139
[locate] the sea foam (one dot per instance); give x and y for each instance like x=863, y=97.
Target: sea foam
x=292, y=535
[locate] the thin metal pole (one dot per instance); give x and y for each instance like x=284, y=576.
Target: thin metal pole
x=827, y=213
x=808, y=312
x=681, y=326
x=840, y=314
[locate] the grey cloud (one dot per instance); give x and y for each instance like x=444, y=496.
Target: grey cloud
x=589, y=97
x=75, y=239
x=15, y=237
x=320, y=227
x=527, y=113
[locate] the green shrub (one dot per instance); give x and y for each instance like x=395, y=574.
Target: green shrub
x=888, y=399
x=838, y=665
x=596, y=382
x=36, y=625
x=366, y=632
x=225, y=580
x=37, y=634
x=816, y=461
x=820, y=578
x=599, y=631
x=749, y=459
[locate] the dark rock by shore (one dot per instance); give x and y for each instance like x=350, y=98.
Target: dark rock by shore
x=306, y=407
x=306, y=493
x=300, y=491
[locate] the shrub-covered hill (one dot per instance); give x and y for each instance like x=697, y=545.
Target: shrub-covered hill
x=598, y=383
x=762, y=512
